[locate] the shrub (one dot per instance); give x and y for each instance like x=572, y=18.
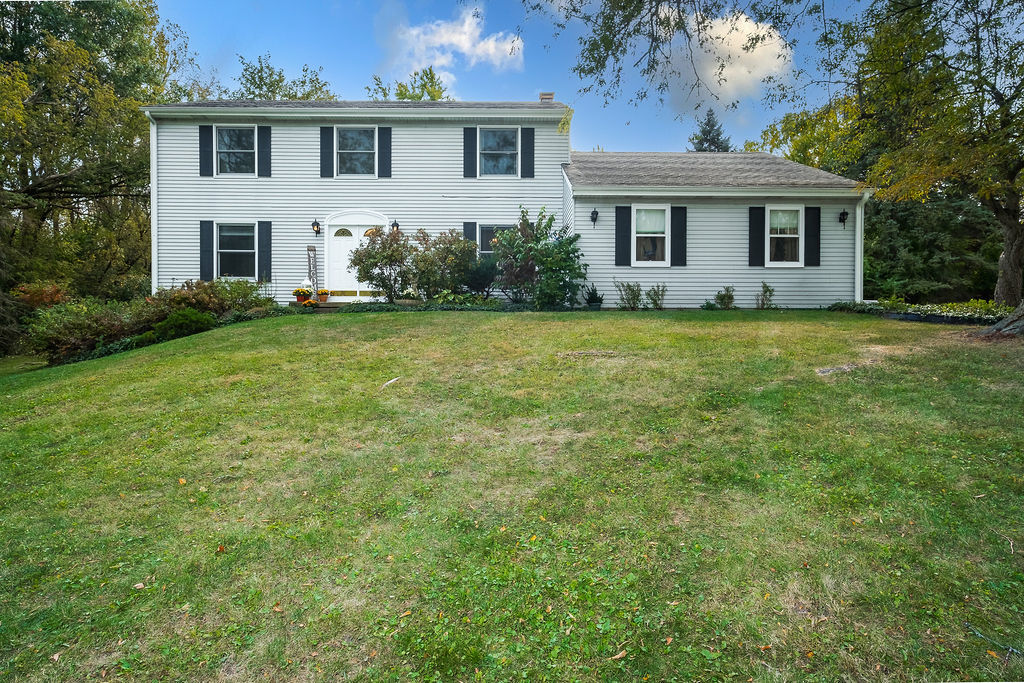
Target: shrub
x=145, y=339
x=708, y=305
x=481, y=276
x=183, y=323
x=66, y=330
x=538, y=263
x=442, y=262
x=725, y=299
x=764, y=299
x=384, y=262
x=631, y=295
x=216, y=297
x=41, y=294
x=591, y=296
x=656, y=296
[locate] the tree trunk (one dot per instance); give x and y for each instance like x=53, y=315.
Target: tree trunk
x=1011, y=261
x=1012, y=324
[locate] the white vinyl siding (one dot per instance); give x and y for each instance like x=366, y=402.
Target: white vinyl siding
x=717, y=234
x=427, y=189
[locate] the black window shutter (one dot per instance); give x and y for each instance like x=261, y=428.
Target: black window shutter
x=263, y=145
x=206, y=250
x=384, y=152
x=469, y=231
x=326, y=151
x=205, y=150
x=623, y=230
x=527, y=136
x=812, y=236
x=263, y=251
x=469, y=152
x=756, y=247
x=678, y=236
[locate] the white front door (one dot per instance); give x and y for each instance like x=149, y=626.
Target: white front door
x=341, y=281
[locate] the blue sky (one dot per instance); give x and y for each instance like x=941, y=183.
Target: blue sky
x=469, y=43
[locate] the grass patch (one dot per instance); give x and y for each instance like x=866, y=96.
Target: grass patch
x=536, y=495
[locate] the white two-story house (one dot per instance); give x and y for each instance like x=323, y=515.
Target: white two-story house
x=253, y=189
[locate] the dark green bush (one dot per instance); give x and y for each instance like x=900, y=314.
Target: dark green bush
x=145, y=339
x=481, y=276
x=68, y=330
x=441, y=263
x=183, y=323
x=725, y=299
x=656, y=296
x=385, y=262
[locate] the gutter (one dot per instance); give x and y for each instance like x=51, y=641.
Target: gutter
x=154, y=272
x=661, y=191
x=858, y=262
x=195, y=113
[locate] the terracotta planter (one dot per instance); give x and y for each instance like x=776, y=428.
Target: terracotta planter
x=323, y=298
x=300, y=298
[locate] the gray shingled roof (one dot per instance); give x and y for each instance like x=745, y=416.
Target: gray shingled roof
x=354, y=104
x=696, y=169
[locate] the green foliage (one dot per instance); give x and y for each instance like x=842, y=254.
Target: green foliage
x=261, y=80
x=217, y=297
x=481, y=276
x=70, y=329
x=385, y=261
x=631, y=295
x=764, y=300
x=423, y=84
x=725, y=299
x=709, y=136
x=182, y=323
x=538, y=263
x=709, y=305
x=656, y=296
x=441, y=262
x=592, y=297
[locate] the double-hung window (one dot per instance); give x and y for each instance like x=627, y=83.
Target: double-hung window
x=236, y=150
x=487, y=235
x=650, y=235
x=499, y=151
x=236, y=250
x=357, y=151
x=784, y=235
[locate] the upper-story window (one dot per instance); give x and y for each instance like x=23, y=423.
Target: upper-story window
x=236, y=150
x=784, y=235
x=650, y=235
x=499, y=151
x=357, y=152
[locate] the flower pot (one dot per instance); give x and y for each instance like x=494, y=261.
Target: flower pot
x=323, y=298
x=301, y=297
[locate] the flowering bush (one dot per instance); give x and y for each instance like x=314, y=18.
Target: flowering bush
x=310, y=303
x=302, y=291
x=975, y=310
x=323, y=292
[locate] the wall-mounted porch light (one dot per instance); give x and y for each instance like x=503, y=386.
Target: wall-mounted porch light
x=394, y=225
x=843, y=215
x=593, y=217
x=316, y=227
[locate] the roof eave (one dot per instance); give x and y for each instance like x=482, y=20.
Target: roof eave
x=582, y=190
x=306, y=113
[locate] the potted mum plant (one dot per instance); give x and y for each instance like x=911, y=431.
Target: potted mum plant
x=322, y=294
x=302, y=294
x=310, y=304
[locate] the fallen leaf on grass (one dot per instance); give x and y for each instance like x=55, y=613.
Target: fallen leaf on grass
x=139, y=586
x=668, y=641
x=182, y=481
x=277, y=607
x=55, y=656
x=620, y=655
x=991, y=652
x=405, y=613
x=220, y=549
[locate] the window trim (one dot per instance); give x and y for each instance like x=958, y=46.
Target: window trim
x=667, y=263
x=480, y=234
x=255, y=151
x=480, y=150
x=376, y=150
x=255, y=250
x=768, y=263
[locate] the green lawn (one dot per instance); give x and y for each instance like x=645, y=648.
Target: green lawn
x=548, y=496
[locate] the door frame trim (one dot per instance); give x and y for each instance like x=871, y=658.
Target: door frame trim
x=347, y=218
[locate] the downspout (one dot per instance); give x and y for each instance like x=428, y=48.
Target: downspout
x=154, y=276
x=858, y=270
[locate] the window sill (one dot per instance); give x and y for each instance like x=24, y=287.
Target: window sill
x=783, y=265
x=650, y=264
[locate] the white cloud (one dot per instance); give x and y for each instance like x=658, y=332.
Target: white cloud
x=736, y=57
x=448, y=44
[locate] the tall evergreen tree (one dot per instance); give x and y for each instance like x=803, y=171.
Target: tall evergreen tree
x=709, y=136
